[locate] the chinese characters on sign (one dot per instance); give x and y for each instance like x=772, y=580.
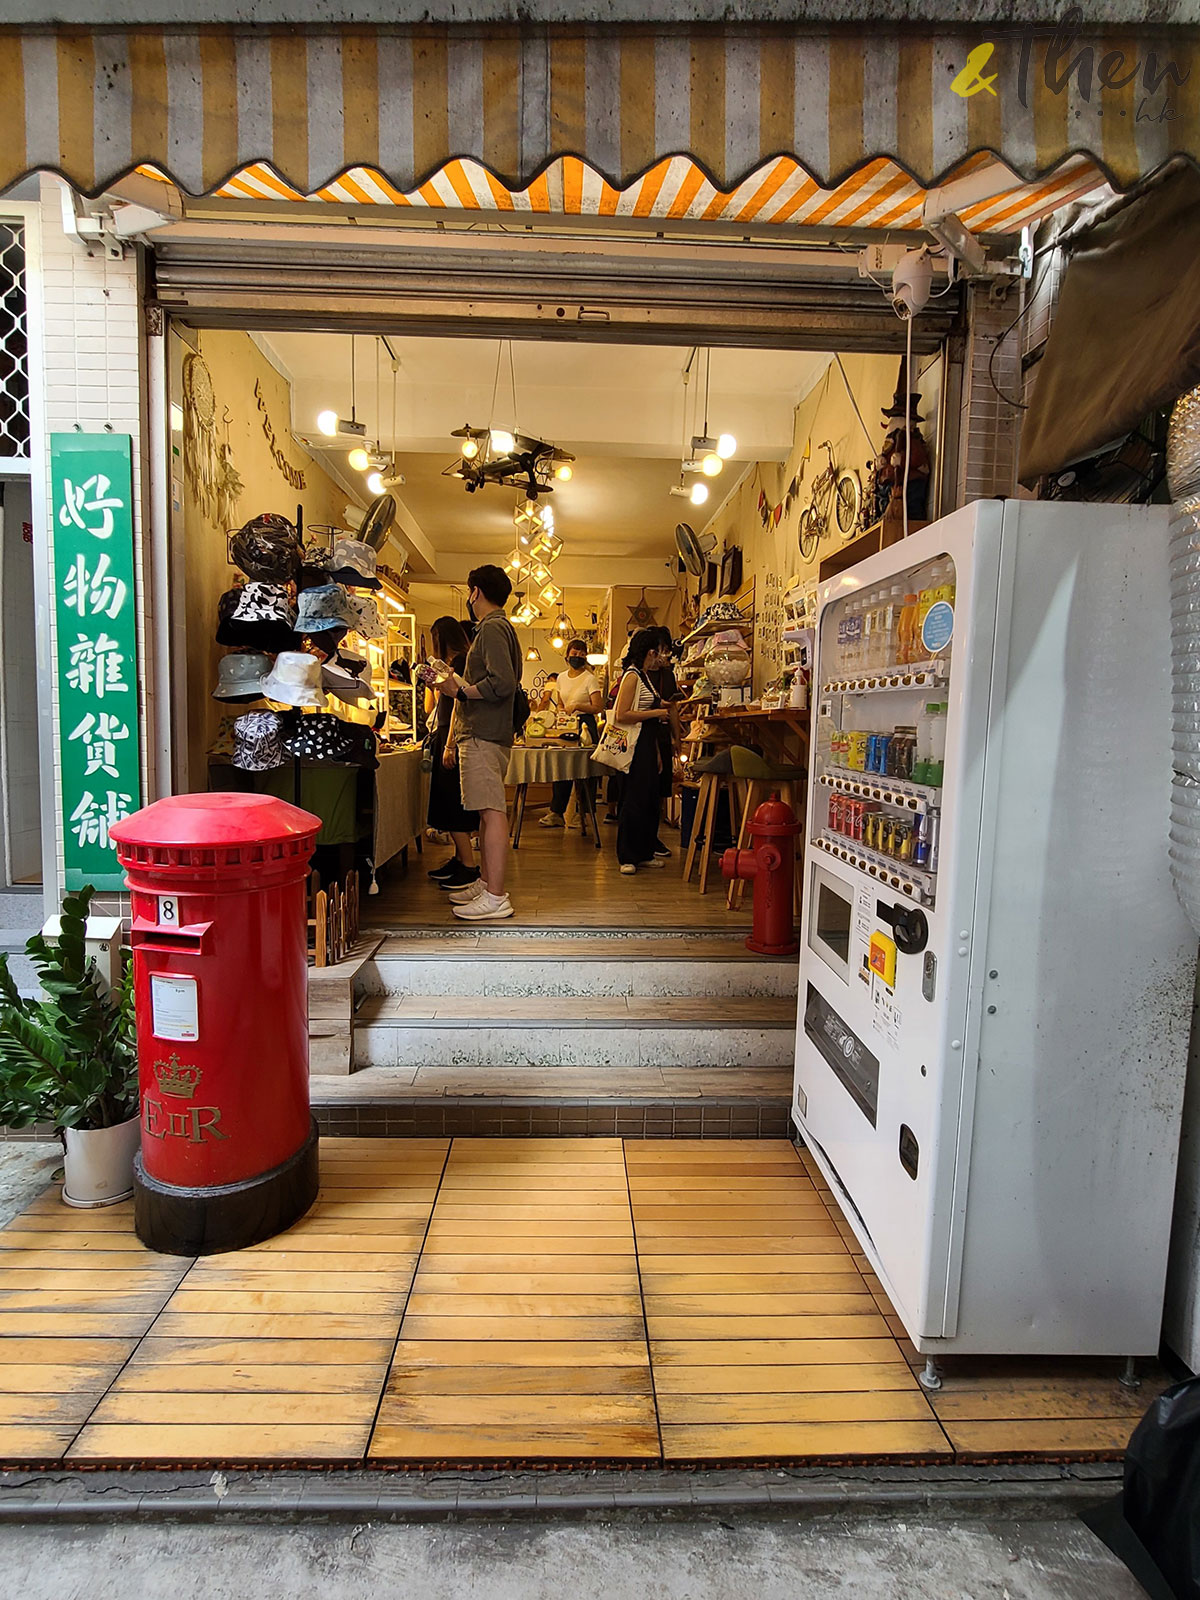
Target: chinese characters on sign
x=92, y=513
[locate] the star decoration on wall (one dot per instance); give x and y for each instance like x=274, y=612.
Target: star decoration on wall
x=642, y=615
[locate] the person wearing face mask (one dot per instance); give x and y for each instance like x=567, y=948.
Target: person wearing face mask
x=484, y=693
x=578, y=692
x=640, y=706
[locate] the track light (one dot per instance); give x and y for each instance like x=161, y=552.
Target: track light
x=698, y=494
x=711, y=465
x=327, y=422
x=375, y=483
x=359, y=459
x=726, y=446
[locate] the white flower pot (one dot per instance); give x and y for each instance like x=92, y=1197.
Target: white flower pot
x=99, y=1163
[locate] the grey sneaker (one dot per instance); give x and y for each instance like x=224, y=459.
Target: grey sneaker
x=485, y=907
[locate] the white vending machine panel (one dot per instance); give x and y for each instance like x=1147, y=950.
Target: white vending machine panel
x=960, y=886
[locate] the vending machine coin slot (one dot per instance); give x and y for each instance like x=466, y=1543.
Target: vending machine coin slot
x=929, y=976
x=910, y=1151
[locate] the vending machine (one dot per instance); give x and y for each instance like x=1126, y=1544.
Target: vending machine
x=995, y=975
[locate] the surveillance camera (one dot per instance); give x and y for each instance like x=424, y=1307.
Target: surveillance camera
x=912, y=279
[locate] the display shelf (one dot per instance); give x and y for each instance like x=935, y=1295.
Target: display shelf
x=918, y=675
x=901, y=875
x=889, y=791
x=707, y=630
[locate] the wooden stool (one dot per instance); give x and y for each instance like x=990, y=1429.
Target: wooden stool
x=705, y=820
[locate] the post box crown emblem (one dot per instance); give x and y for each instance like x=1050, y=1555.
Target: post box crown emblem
x=177, y=1080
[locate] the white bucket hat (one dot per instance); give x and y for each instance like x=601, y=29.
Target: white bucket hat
x=240, y=677
x=295, y=680
x=367, y=624
x=354, y=563
x=347, y=686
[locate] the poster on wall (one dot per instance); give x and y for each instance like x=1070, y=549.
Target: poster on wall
x=92, y=534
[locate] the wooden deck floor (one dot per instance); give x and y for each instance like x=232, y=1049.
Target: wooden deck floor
x=493, y=1300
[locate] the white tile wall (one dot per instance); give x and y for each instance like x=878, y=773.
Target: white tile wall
x=94, y=376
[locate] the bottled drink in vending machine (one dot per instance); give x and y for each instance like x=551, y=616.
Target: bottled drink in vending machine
x=907, y=631
x=889, y=644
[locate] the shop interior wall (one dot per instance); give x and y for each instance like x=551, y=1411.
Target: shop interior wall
x=236, y=366
x=771, y=551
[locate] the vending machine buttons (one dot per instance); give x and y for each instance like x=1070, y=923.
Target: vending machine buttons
x=883, y=958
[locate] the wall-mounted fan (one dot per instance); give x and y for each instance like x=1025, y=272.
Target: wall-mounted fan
x=694, y=549
x=378, y=521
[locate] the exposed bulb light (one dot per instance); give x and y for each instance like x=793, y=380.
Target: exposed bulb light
x=470, y=448
x=502, y=442
x=561, y=625
x=726, y=446
x=551, y=594
x=558, y=642
x=597, y=658
x=359, y=459
x=563, y=473
x=327, y=422
x=541, y=573
x=533, y=653
x=375, y=483
x=698, y=494
x=711, y=464
x=548, y=517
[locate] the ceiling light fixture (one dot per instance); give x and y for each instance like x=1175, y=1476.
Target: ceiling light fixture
x=558, y=642
x=564, y=473
x=726, y=446
x=551, y=594
x=533, y=653
x=359, y=459
x=698, y=494
x=376, y=484
x=711, y=464
x=327, y=423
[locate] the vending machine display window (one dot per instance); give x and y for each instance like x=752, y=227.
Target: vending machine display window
x=831, y=916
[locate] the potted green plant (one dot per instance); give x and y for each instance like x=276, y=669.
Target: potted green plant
x=69, y=1057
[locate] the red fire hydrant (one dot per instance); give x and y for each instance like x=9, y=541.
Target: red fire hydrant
x=220, y=959
x=771, y=864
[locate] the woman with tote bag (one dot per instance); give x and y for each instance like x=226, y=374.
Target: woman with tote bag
x=624, y=749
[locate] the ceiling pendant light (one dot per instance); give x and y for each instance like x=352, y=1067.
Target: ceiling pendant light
x=547, y=546
x=711, y=464
x=564, y=474
x=541, y=572
x=726, y=446
x=533, y=653
x=359, y=459
x=501, y=442
x=551, y=594
x=558, y=642
x=470, y=447
x=698, y=494
x=375, y=483
x=518, y=565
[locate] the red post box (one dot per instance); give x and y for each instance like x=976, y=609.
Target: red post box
x=220, y=951
x=771, y=864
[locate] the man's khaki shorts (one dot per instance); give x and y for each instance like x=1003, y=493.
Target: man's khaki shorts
x=481, y=769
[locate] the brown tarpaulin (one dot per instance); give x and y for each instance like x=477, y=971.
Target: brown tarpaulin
x=1126, y=336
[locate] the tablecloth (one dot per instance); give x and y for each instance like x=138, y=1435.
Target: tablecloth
x=400, y=803
x=541, y=763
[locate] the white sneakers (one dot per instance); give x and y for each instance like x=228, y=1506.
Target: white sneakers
x=627, y=869
x=475, y=903
x=550, y=820
x=485, y=907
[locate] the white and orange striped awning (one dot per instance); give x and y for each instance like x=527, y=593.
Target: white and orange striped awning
x=774, y=123
x=879, y=195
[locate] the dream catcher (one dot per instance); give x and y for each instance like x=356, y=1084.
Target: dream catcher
x=229, y=484
x=201, y=455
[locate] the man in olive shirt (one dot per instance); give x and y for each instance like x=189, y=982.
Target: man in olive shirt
x=483, y=720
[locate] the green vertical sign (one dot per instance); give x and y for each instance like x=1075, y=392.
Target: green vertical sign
x=92, y=530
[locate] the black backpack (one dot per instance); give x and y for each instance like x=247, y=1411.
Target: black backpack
x=520, y=698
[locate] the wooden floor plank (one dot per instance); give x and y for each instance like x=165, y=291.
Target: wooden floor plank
x=616, y=1352
x=759, y=1378
x=612, y=1442
x=223, y=1378
x=864, y=1405
x=248, y=1442
x=488, y=1410
x=34, y=1442
x=716, y=1441
x=1032, y=1437
x=410, y=1379
x=432, y=1282
x=182, y=1408
x=483, y=1307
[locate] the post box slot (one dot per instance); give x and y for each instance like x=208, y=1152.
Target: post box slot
x=149, y=936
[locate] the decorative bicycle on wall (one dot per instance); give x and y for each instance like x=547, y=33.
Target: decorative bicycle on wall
x=835, y=491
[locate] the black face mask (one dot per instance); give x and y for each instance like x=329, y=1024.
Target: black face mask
x=471, y=609
x=577, y=662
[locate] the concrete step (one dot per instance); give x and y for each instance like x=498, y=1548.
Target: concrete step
x=536, y=965
x=544, y=1031
x=559, y=1102
x=23, y=909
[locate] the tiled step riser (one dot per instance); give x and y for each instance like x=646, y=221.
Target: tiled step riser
x=477, y=1045
x=527, y=977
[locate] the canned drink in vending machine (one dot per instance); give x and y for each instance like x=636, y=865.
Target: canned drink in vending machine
x=882, y=745
x=836, y=802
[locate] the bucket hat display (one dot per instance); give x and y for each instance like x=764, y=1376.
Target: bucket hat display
x=327, y=738
x=257, y=746
x=346, y=685
x=267, y=547
x=354, y=563
x=295, y=680
x=258, y=616
x=316, y=567
x=367, y=622
x=240, y=677
x=326, y=607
